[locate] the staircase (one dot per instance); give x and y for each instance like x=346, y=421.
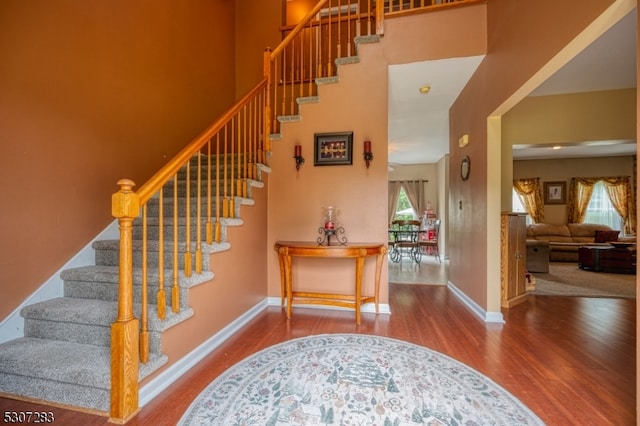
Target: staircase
x=64, y=356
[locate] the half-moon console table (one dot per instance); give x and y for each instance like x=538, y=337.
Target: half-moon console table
x=359, y=251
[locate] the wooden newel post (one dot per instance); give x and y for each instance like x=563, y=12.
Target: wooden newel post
x=125, y=206
x=380, y=19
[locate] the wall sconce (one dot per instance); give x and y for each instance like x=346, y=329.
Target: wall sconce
x=368, y=155
x=298, y=156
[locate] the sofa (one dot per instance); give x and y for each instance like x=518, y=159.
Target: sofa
x=564, y=240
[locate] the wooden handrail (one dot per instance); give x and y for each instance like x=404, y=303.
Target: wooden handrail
x=129, y=342
x=173, y=166
x=298, y=28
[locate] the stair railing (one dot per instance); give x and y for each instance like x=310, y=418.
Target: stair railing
x=392, y=7
x=232, y=147
x=308, y=52
x=187, y=189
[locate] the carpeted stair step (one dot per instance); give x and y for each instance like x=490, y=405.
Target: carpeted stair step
x=153, y=206
x=167, y=190
x=204, y=173
x=221, y=159
x=231, y=185
x=218, y=169
x=153, y=228
x=62, y=372
x=68, y=319
x=108, y=253
x=88, y=321
x=101, y=282
x=65, y=355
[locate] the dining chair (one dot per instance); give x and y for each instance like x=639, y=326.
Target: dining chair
x=404, y=237
x=430, y=244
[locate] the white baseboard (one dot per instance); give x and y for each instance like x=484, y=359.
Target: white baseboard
x=12, y=327
x=152, y=389
x=490, y=317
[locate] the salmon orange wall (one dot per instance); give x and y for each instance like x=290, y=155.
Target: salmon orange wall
x=258, y=28
x=357, y=103
x=297, y=198
x=296, y=10
x=91, y=92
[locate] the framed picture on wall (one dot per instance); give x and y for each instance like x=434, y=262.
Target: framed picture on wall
x=555, y=192
x=333, y=149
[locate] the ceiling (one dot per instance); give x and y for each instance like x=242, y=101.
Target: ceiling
x=419, y=123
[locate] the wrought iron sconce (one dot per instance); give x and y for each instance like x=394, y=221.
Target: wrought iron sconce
x=368, y=155
x=298, y=156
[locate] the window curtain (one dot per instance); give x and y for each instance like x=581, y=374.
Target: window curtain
x=580, y=190
x=530, y=191
x=394, y=192
x=619, y=191
x=415, y=194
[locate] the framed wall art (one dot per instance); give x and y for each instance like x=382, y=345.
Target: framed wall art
x=555, y=192
x=331, y=149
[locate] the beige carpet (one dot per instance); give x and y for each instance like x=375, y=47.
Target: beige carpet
x=566, y=279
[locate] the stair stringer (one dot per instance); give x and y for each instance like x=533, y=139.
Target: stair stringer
x=325, y=81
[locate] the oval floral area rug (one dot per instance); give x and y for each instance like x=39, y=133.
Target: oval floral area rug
x=354, y=379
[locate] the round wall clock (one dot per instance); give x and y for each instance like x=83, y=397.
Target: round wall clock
x=465, y=167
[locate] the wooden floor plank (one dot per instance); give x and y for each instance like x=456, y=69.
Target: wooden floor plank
x=570, y=360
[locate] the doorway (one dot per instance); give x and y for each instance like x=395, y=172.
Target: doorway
x=410, y=199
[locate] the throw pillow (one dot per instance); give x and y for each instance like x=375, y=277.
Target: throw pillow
x=606, y=236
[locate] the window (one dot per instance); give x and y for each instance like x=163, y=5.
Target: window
x=600, y=210
x=404, y=211
x=518, y=207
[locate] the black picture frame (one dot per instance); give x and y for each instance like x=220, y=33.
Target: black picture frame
x=333, y=149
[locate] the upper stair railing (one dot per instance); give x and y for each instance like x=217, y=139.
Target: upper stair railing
x=392, y=7
x=189, y=201
x=309, y=50
x=329, y=31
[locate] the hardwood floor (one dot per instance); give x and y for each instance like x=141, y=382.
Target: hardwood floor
x=570, y=360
